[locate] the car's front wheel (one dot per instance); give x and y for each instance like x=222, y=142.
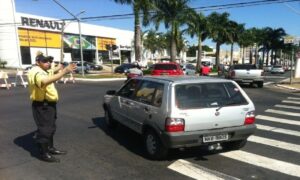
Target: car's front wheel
x=153, y=145
x=110, y=122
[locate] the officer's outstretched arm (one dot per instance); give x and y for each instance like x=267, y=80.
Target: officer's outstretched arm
x=55, y=77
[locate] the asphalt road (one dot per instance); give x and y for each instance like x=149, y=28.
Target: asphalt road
x=95, y=152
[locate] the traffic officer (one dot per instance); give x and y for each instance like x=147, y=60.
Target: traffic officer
x=44, y=97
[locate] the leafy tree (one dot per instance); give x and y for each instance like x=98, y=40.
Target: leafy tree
x=154, y=42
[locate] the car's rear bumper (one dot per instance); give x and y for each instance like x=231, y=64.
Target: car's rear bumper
x=247, y=80
x=195, y=138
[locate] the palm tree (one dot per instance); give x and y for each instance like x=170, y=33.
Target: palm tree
x=198, y=26
x=276, y=39
x=154, y=42
x=235, y=31
x=139, y=6
x=219, y=31
x=173, y=14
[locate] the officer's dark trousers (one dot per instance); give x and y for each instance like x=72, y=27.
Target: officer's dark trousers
x=44, y=114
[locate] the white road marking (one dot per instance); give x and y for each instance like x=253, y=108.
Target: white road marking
x=278, y=130
x=275, y=143
x=295, y=98
x=265, y=162
x=288, y=107
x=292, y=102
x=197, y=172
x=279, y=120
x=283, y=112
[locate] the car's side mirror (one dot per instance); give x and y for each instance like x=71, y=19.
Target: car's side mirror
x=111, y=92
x=183, y=69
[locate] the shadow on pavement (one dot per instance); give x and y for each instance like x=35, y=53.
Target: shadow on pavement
x=134, y=143
x=123, y=135
x=27, y=143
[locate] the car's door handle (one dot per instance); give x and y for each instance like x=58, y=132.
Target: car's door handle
x=146, y=109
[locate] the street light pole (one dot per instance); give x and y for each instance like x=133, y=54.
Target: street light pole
x=79, y=29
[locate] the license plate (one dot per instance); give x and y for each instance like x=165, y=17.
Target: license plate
x=247, y=81
x=215, y=138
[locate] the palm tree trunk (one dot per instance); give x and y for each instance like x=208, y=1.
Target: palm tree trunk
x=199, y=57
x=231, y=54
x=218, y=54
x=137, y=34
x=263, y=56
x=251, y=55
x=256, y=54
x=243, y=58
x=173, y=44
x=267, y=62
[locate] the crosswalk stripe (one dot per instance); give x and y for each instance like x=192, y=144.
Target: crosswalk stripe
x=292, y=102
x=279, y=120
x=283, y=112
x=295, y=98
x=288, y=107
x=198, y=172
x=265, y=162
x=275, y=143
x=278, y=130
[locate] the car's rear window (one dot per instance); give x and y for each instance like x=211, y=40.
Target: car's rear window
x=191, y=96
x=277, y=66
x=165, y=67
x=245, y=66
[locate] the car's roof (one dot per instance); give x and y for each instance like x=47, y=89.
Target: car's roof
x=185, y=79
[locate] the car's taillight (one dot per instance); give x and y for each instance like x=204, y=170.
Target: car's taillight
x=232, y=74
x=250, y=118
x=174, y=124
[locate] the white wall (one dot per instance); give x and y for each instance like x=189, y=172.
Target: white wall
x=9, y=42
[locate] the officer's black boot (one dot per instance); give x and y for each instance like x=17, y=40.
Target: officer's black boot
x=55, y=151
x=45, y=155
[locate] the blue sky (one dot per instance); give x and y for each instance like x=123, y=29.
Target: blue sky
x=285, y=15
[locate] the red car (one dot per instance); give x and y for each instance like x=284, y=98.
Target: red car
x=170, y=68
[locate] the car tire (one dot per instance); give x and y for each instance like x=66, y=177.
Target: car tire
x=154, y=148
x=260, y=84
x=234, y=145
x=109, y=121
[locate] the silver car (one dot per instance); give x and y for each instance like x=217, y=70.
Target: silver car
x=277, y=69
x=188, y=69
x=185, y=111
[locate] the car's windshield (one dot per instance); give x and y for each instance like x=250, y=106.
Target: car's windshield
x=190, y=96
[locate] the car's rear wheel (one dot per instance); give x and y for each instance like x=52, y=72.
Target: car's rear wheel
x=260, y=84
x=234, y=145
x=153, y=146
x=110, y=122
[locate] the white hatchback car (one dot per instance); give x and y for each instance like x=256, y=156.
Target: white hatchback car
x=182, y=111
x=277, y=69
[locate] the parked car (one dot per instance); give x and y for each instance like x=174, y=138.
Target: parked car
x=94, y=66
x=246, y=74
x=267, y=68
x=170, y=68
x=277, y=69
x=123, y=68
x=182, y=111
x=188, y=69
x=86, y=66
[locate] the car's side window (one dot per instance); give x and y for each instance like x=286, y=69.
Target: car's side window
x=129, y=89
x=150, y=93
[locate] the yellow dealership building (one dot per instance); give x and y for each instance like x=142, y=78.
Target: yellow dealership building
x=23, y=35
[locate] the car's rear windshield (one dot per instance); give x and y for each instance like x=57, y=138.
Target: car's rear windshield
x=191, y=96
x=245, y=66
x=277, y=66
x=165, y=67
